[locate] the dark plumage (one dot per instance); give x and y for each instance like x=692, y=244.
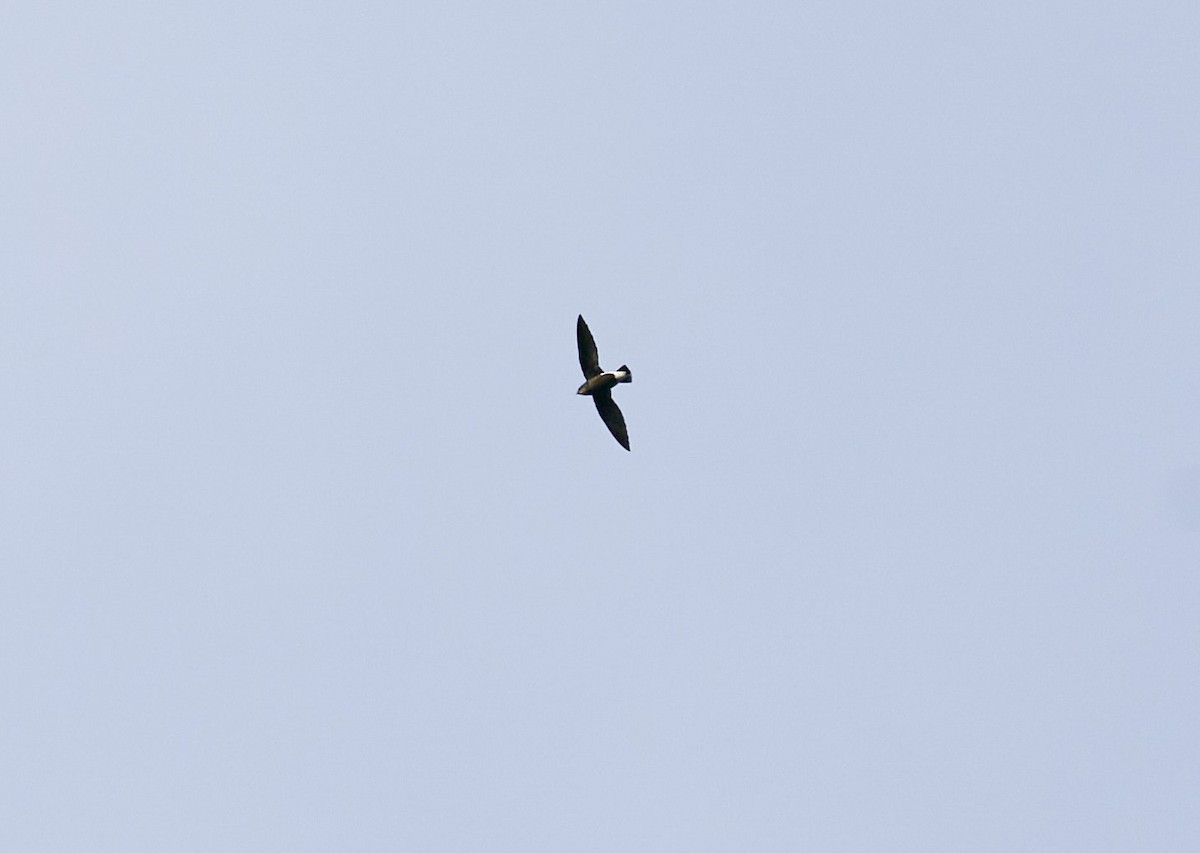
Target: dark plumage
x=600, y=383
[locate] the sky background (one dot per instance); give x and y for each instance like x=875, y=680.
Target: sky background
x=308, y=543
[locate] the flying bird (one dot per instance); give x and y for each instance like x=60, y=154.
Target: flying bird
x=600, y=383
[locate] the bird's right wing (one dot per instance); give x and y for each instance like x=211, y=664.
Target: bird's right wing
x=612, y=417
x=589, y=359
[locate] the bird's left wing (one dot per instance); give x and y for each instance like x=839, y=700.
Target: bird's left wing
x=589, y=359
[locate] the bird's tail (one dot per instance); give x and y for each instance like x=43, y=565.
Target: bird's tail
x=628, y=377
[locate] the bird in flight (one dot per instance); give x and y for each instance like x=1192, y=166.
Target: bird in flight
x=600, y=383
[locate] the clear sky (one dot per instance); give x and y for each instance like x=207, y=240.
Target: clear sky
x=308, y=543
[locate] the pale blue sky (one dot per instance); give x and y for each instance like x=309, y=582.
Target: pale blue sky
x=309, y=544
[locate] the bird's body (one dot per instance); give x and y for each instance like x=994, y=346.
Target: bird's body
x=605, y=381
x=599, y=383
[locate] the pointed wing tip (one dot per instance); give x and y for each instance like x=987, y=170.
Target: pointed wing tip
x=589, y=358
x=610, y=413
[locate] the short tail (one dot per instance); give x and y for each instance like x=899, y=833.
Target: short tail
x=628, y=374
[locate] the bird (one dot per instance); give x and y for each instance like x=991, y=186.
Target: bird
x=600, y=383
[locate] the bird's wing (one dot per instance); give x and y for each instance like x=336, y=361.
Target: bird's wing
x=612, y=417
x=589, y=359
